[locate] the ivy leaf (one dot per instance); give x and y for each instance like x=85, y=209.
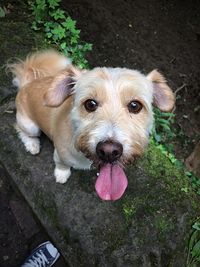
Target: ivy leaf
x=53, y=3
x=58, y=14
x=49, y=34
x=196, y=250
x=59, y=32
x=2, y=13
x=69, y=24
x=63, y=45
x=196, y=226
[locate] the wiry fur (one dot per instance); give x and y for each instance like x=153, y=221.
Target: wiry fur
x=51, y=98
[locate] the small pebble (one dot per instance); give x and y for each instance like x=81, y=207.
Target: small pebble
x=5, y=257
x=185, y=116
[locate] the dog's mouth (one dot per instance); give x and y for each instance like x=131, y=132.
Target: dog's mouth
x=111, y=182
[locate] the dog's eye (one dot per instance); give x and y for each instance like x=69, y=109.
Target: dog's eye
x=134, y=107
x=90, y=105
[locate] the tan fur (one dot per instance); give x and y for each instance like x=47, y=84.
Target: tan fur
x=163, y=99
x=30, y=102
x=52, y=96
x=36, y=66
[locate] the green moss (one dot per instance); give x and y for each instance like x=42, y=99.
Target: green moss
x=114, y=240
x=163, y=186
x=129, y=210
x=65, y=235
x=46, y=206
x=130, y=206
x=163, y=225
x=17, y=39
x=161, y=169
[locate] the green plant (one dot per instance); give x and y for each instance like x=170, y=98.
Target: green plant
x=2, y=12
x=59, y=29
x=162, y=131
x=195, y=182
x=166, y=152
x=162, y=134
x=129, y=210
x=193, y=258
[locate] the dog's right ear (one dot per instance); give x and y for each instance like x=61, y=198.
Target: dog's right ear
x=163, y=97
x=62, y=87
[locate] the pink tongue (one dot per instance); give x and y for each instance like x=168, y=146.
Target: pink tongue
x=111, y=182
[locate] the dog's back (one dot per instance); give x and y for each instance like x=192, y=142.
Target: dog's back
x=37, y=65
x=34, y=77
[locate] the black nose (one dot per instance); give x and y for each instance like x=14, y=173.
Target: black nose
x=109, y=151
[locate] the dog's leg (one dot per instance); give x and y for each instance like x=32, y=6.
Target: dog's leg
x=28, y=132
x=61, y=171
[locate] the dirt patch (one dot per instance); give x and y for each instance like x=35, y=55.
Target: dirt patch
x=145, y=35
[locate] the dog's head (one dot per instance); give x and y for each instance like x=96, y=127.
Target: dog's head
x=112, y=117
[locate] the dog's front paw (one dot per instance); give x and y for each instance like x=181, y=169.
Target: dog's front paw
x=62, y=175
x=32, y=145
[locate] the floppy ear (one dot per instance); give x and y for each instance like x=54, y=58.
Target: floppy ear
x=163, y=97
x=61, y=87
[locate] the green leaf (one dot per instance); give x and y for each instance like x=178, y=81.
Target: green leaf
x=164, y=121
x=69, y=23
x=196, y=250
x=167, y=114
x=2, y=13
x=49, y=34
x=166, y=127
x=53, y=3
x=57, y=14
x=157, y=137
x=184, y=189
x=63, y=45
x=34, y=26
x=59, y=32
x=189, y=174
x=41, y=4
x=196, y=226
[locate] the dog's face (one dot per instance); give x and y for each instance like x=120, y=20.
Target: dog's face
x=112, y=112
x=112, y=117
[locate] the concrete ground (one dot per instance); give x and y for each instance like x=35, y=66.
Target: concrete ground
x=20, y=231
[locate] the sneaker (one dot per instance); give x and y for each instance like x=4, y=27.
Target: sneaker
x=45, y=255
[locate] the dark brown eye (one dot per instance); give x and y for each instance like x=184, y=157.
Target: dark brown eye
x=134, y=107
x=90, y=105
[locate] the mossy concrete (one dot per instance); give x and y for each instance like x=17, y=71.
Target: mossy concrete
x=17, y=39
x=149, y=226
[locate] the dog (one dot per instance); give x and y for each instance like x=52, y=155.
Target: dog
x=101, y=116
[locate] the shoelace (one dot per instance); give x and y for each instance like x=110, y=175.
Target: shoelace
x=39, y=260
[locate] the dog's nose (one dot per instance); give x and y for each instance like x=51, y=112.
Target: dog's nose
x=109, y=151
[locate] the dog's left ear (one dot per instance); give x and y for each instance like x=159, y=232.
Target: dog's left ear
x=62, y=87
x=163, y=97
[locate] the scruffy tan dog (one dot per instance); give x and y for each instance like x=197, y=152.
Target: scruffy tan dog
x=101, y=116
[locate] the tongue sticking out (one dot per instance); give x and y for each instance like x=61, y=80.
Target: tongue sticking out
x=111, y=182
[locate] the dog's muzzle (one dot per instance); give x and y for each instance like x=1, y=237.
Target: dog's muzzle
x=109, y=151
